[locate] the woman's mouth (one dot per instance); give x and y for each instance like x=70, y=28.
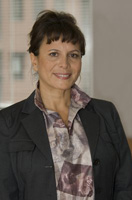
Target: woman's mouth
x=63, y=76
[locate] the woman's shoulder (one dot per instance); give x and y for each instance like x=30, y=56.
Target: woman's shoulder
x=101, y=104
x=8, y=114
x=16, y=107
x=13, y=112
x=104, y=108
x=12, y=108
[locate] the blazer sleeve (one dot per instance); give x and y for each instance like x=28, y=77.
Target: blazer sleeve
x=8, y=183
x=123, y=181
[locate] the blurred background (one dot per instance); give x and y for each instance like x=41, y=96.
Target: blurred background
x=107, y=66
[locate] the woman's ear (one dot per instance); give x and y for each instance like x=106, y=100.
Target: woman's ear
x=34, y=62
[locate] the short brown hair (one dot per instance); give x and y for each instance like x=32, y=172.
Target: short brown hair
x=53, y=25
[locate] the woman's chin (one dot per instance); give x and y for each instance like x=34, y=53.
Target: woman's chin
x=62, y=86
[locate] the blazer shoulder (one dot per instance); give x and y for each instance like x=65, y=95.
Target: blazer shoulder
x=8, y=114
x=12, y=108
x=104, y=108
x=14, y=113
x=102, y=104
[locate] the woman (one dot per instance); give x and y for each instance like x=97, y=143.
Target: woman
x=59, y=143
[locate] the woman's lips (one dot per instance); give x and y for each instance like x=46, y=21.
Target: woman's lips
x=63, y=76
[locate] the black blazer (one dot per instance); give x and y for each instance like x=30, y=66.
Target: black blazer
x=26, y=165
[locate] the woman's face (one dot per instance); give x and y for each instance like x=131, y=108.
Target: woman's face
x=58, y=64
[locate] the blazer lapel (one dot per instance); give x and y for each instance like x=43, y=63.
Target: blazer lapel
x=90, y=122
x=35, y=127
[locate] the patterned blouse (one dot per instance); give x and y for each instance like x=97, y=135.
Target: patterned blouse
x=70, y=149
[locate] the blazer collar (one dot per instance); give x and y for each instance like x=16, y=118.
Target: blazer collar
x=29, y=105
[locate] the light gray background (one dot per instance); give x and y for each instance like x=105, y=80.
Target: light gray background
x=112, y=55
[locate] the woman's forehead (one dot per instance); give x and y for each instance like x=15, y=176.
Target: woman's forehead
x=59, y=44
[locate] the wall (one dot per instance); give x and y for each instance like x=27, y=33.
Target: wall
x=112, y=27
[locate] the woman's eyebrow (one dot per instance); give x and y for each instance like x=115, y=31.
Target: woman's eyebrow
x=69, y=51
x=75, y=50
x=54, y=50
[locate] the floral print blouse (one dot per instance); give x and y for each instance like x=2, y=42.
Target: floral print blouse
x=70, y=149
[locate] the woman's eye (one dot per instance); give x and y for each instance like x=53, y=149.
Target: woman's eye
x=53, y=54
x=74, y=55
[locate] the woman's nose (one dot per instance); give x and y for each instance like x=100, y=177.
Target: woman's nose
x=64, y=62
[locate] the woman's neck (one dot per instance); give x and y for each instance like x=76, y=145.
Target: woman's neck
x=58, y=101
x=55, y=99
